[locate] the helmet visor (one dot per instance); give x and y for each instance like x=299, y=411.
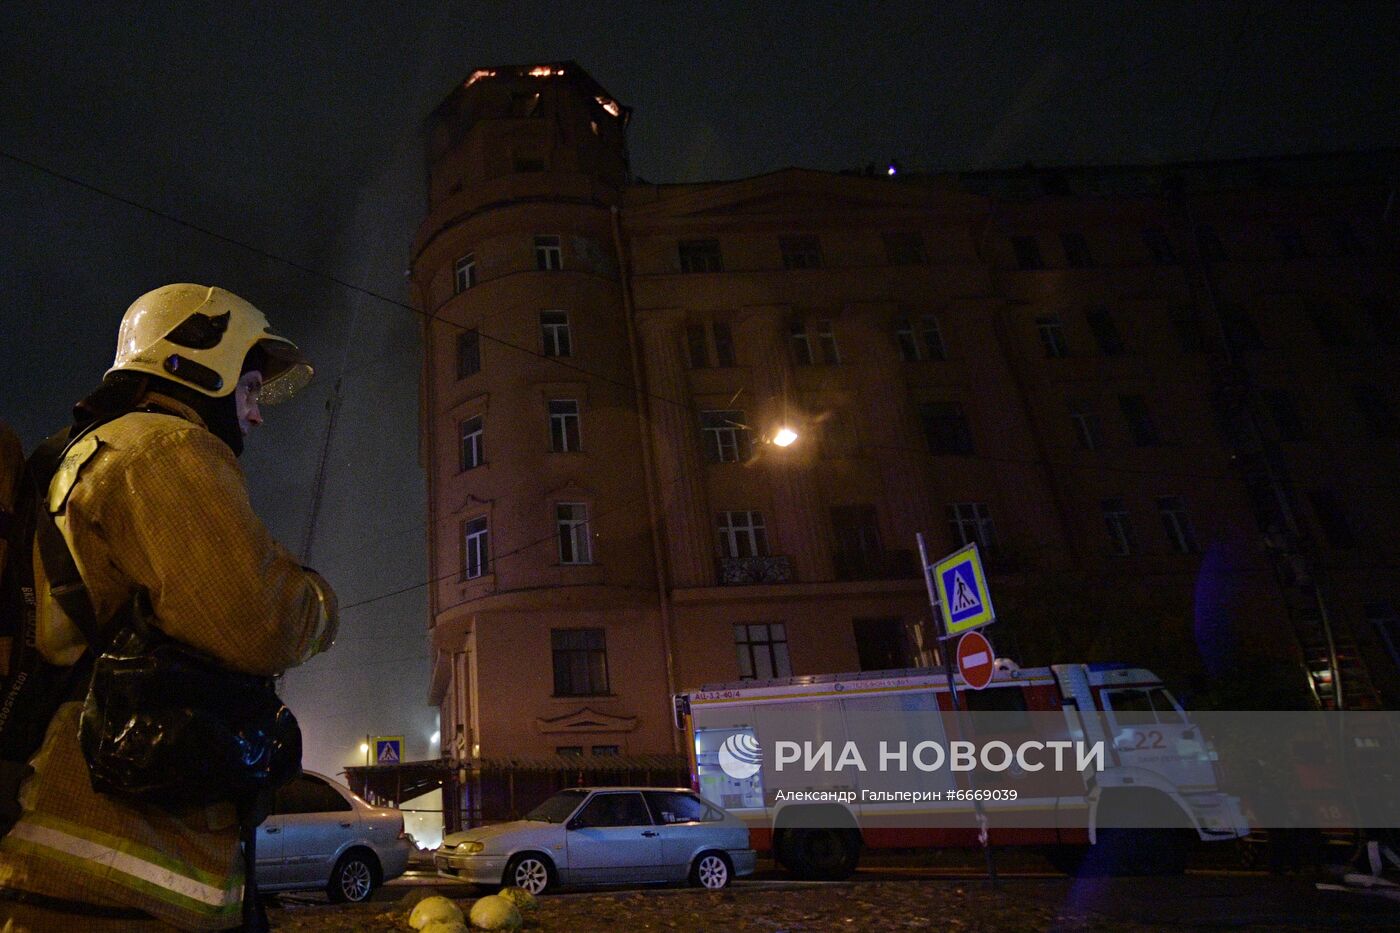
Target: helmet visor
x=285, y=371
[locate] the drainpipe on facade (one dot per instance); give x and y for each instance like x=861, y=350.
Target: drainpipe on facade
x=663, y=593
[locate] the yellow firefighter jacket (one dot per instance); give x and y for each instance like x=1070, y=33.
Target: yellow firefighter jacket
x=157, y=501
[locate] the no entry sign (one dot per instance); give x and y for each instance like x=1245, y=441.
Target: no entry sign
x=976, y=660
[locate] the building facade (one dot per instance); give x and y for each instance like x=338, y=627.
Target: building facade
x=1156, y=398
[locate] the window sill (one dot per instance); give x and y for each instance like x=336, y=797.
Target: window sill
x=583, y=696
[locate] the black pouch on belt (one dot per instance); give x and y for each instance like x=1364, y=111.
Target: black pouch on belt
x=165, y=724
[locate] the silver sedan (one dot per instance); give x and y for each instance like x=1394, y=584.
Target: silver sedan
x=320, y=835
x=604, y=835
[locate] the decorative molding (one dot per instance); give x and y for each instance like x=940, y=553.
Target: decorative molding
x=583, y=720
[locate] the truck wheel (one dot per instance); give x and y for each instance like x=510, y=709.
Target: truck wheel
x=821, y=854
x=1136, y=852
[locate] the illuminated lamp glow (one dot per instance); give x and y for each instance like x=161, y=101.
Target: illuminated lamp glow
x=785, y=437
x=435, y=737
x=544, y=71
x=479, y=74
x=609, y=105
x=364, y=747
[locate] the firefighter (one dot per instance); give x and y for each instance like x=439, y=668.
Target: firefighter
x=161, y=505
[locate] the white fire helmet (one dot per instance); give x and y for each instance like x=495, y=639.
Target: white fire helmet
x=199, y=336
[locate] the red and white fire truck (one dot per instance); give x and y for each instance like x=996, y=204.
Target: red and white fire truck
x=822, y=767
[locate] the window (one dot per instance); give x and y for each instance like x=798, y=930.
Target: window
x=971, y=523
x=1120, y=526
x=1372, y=406
x=1332, y=328
x=554, y=333
x=1159, y=246
x=726, y=437
x=1052, y=336
x=859, y=555
x=836, y=437
x=801, y=343
x=601, y=751
x=626, y=809
x=698, y=346
x=1240, y=330
x=925, y=343
x=564, y=425
x=905, y=248
x=1087, y=428
x=464, y=274
x=473, y=454
x=1077, y=255
x=1283, y=411
x=1140, y=424
x=700, y=256
x=670, y=806
x=762, y=650
x=1175, y=523
x=549, y=255
x=580, y=662
x=468, y=353
x=529, y=163
x=741, y=534
x=1209, y=245
x=476, y=549
x=1330, y=517
x=826, y=339
x=569, y=751
x=724, y=344
x=801, y=252
x=309, y=794
x=945, y=428
x=1104, y=331
x=1290, y=242
x=571, y=518
x=883, y=644
x=1027, y=252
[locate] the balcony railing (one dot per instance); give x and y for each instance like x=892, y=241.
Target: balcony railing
x=744, y=571
x=876, y=565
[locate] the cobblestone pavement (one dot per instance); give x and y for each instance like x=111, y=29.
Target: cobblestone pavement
x=1237, y=902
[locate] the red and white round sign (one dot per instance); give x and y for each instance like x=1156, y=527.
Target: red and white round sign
x=976, y=662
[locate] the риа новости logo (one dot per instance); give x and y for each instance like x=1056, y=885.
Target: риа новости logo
x=740, y=756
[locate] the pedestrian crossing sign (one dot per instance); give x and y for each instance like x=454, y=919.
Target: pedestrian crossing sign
x=388, y=749
x=962, y=591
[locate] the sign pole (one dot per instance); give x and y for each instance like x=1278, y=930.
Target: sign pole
x=946, y=651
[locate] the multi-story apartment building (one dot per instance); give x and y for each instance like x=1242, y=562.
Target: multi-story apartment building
x=1158, y=398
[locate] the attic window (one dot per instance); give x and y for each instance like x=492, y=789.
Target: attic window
x=609, y=105
x=544, y=71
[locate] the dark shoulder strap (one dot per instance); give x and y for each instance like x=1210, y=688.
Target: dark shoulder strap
x=65, y=581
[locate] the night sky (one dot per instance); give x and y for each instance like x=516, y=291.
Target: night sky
x=279, y=154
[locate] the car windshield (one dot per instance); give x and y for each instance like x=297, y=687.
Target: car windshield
x=557, y=808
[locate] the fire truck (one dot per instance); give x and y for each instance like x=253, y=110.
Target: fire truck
x=823, y=767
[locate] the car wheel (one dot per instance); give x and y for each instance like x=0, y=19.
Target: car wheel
x=711, y=871
x=532, y=872
x=822, y=854
x=353, y=879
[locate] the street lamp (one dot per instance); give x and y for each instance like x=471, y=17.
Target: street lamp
x=785, y=437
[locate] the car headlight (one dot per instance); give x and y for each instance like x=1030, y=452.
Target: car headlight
x=469, y=848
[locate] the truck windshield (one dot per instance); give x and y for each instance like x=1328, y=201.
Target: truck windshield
x=556, y=809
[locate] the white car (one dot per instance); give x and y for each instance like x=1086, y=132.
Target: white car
x=604, y=835
x=320, y=835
